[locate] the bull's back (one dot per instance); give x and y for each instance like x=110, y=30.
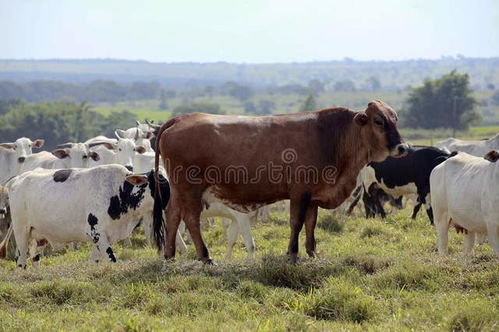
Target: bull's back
x=235, y=140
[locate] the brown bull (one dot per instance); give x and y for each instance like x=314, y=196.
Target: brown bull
x=310, y=158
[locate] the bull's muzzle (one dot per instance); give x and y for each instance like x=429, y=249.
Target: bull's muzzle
x=400, y=150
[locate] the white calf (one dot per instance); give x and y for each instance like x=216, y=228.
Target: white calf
x=465, y=194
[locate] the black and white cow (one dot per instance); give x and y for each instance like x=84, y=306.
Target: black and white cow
x=100, y=204
x=409, y=175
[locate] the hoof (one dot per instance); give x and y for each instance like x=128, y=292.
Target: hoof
x=293, y=258
x=211, y=262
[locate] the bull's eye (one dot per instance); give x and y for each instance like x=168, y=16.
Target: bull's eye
x=119, y=149
x=85, y=157
x=379, y=122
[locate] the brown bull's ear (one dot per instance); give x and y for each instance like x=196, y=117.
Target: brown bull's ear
x=94, y=155
x=7, y=145
x=136, y=180
x=38, y=143
x=61, y=153
x=360, y=118
x=492, y=156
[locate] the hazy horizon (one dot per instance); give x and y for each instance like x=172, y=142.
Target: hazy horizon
x=260, y=31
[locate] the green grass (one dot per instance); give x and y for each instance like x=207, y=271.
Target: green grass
x=376, y=274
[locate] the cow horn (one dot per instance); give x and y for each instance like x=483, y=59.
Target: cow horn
x=65, y=145
x=136, y=134
x=117, y=133
x=137, y=122
x=91, y=145
x=152, y=125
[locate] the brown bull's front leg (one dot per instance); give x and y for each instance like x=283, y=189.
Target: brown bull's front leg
x=310, y=222
x=298, y=211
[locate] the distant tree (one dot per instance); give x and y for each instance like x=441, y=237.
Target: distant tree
x=198, y=107
x=309, y=104
x=495, y=98
x=7, y=104
x=316, y=86
x=446, y=102
x=266, y=107
x=344, y=86
x=374, y=83
x=249, y=107
x=162, y=100
x=292, y=89
x=238, y=91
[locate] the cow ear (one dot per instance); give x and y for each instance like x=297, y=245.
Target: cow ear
x=94, y=155
x=110, y=146
x=7, y=145
x=136, y=180
x=61, y=153
x=38, y=143
x=360, y=118
x=492, y=156
x=140, y=149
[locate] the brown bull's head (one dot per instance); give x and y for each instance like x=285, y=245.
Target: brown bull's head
x=379, y=131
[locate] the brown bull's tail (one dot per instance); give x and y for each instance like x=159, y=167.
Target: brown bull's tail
x=160, y=202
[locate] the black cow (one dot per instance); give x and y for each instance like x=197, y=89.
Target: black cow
x=403, y=176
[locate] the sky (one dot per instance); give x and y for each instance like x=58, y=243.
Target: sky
x=253, y=31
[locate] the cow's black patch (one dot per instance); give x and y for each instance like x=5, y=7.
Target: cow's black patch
x=62, y=175
x=92, y=221
x=120, y=204
x=110, y=253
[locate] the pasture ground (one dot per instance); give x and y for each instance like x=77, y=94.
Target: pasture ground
x=378, y=274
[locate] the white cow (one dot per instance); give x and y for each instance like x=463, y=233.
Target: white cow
x=475, y=148
x=100, y=204
x=465, y=194
x=13, y=155
x=68, y=155
x=122, y=153
x=140, y=136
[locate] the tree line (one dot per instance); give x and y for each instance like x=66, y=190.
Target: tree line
x=446, y=102
x=57, y=122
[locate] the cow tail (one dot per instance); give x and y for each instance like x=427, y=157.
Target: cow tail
x=5, y=242
x=160, y=202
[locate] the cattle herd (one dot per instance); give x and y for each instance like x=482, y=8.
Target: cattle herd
x=233, y=167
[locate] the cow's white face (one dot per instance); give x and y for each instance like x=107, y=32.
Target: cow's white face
x=125, y=151
x=78, y=155
x=23, y=147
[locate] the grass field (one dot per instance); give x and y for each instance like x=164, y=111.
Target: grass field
x=377, y=274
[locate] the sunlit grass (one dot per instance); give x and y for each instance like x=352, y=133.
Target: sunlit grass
x=378, y=274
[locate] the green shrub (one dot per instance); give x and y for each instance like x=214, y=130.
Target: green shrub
x=331, y=223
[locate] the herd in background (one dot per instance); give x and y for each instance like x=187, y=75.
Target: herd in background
x=78, y=191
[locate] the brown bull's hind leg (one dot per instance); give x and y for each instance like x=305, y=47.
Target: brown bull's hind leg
x=172, y=221
x=191, y=211
x=298, y=210
x=310, y=222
